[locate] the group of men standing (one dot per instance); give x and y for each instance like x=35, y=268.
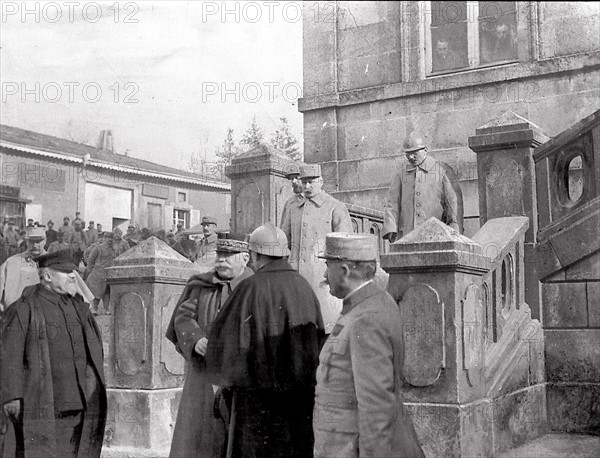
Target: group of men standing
x=299, y=355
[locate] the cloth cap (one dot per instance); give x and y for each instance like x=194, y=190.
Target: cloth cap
x=292, y=169
x=345, y=246
x=35, y=233
x=108, y=234
x=59, y=260
x=208, y=220
x=231, y=242
x=50, y=222
x=310, y=171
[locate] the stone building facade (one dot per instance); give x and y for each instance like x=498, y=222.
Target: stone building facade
x=374, y=71
x=50, y=178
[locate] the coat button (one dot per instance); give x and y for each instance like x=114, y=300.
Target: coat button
x=418, y=193
x=418, y=205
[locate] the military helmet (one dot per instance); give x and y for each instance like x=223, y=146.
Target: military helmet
x=413, y=142
x=269, y=240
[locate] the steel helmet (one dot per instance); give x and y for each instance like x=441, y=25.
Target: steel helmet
x=269, y=240
x=413, y=142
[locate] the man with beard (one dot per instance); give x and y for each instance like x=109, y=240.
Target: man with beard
x=263, y=347
x=57, y=401
x=358, y=404
x=20, y=270
x=197, y=431
x=423, y=188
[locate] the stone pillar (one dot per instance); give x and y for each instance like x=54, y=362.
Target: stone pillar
x=506, y=172
x=259, y=188
x=435, y=275
x=144, y=373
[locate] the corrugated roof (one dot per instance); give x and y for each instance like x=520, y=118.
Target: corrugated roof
x=59, y=148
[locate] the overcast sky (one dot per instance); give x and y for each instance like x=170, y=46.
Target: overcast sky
x=153, y=72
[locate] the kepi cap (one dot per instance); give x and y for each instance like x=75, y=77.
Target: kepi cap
x=208, y=220
x=310, y=171
x=292, y=169
x=231, y=242
x=59, y=260
x=344, y=246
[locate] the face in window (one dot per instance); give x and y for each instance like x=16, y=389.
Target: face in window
x=441, y=48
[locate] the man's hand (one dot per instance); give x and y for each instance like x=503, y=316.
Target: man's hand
x=391, y=236
x=12, y=409
x=200, y=346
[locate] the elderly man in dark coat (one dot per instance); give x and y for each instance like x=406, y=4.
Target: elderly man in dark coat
x=264, y=346
x=358, y=403
x=51, y=370
x=197, y=431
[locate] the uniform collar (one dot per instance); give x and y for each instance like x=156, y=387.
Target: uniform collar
x=210, y=239
x=318, y=200
x=359, y=295
x=425, y=166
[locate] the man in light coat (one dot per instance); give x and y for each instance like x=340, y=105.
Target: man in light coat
x=358, y=403
x=423, y=188
x=306, y=224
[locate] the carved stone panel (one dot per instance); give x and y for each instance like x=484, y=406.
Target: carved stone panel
x=173, y=361
x=130, y=333
x=422, y=315
x=472, y=335
x=504, y=188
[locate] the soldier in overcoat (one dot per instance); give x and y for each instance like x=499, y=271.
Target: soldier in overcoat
x=358, y=400
x=306, y=224
x=423, y=188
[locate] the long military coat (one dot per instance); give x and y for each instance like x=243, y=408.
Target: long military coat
x=358, y=400
x=197, y=432
x=306, y=224
x=418, y=193
x=26, y=372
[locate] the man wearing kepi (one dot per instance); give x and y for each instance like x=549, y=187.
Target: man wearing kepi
x=197, y=431
x=306, y=224
x=264, y=347
x=358, y=403
x=293, y=174
x=422, y=189
x=52, y=378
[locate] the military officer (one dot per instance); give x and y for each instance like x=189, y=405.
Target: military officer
x=358, y=403
x=423, y=188
x=305, y=226
x=293, y=174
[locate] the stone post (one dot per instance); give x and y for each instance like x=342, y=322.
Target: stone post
x=506, y=172
x=259, y=188
x=435, y=276
x=144, y=373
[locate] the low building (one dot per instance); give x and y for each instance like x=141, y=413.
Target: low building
x=50, y=178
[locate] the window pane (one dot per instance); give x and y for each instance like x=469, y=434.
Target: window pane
x=449, y=47
x=497, y=37
x=443, y=13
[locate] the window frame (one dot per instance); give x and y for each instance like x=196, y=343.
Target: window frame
x=473, y=41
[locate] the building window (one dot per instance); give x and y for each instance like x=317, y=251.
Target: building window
x=181, y=217
x=181, y=197
x=464, y=35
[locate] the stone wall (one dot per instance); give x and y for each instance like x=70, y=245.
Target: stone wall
x=366, y=85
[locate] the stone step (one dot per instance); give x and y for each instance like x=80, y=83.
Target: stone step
x=557, y=446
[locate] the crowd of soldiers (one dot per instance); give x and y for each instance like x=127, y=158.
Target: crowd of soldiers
x=292, y=349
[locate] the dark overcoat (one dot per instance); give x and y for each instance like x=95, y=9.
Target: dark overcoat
x=197, y=432
x=25, y=372
x=265, y=344
x=358, y=403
